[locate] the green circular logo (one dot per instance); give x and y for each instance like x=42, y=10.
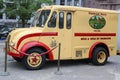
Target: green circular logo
x=97, y=22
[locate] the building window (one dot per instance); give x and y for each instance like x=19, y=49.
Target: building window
x=54, y=2
x=111, y=1
x=11, y=6
x=69, y=2
x=11, y=16
x=76, y=3
x=62, y=2
x=0, y=15
x=89, y=3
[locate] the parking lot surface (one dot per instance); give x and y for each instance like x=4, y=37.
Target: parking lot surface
x=70, y=70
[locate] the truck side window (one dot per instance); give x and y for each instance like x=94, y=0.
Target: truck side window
x=68, y=20
x=61, y=19
x=52, y=21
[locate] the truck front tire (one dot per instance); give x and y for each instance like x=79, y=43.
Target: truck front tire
x=100, y=56
x=34, y=61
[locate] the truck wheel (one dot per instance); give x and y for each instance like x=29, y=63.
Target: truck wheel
x=100, y=56
x=34, y=61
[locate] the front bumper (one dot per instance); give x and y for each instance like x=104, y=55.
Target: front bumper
x=7, y=48
x=14, y=54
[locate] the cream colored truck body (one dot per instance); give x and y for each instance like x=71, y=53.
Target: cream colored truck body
x=79, y=30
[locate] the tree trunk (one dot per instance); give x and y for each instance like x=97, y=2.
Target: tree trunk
x=23, y=23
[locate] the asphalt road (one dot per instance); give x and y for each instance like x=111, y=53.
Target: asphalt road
x=71, y=70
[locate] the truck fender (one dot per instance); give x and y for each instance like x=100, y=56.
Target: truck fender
x=31, y=44
x=97, y=44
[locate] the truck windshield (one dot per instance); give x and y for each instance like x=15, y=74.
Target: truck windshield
x=40, y=18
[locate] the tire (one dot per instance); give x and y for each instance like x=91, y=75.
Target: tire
x=34, y=62
x=100, y=56
x=17, y=59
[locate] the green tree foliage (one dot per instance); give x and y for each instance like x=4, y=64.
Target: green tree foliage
x=2, y=6
x=23, y=8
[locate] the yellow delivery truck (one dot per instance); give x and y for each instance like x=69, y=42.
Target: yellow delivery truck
x=84, y=33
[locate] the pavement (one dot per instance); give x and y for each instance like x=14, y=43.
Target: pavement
x=69, y=70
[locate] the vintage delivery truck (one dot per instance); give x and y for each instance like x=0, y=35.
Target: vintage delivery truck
x=84, y=33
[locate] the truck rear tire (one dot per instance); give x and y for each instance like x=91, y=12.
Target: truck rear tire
x=100, y=56
x=34, y=61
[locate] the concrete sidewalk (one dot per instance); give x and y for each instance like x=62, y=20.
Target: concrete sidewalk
x=71, y=70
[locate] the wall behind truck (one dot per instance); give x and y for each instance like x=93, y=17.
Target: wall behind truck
x=118, y=42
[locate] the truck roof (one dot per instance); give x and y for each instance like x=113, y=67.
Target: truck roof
x=75, y=8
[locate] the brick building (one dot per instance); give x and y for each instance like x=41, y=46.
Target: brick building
x=102, y=4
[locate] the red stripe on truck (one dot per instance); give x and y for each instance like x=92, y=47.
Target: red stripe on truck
x=94, y=34
x=36, y=34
